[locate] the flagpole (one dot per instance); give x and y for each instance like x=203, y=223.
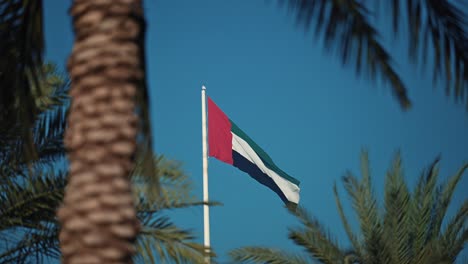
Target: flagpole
x=206, y=209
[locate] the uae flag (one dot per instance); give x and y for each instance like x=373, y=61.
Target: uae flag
x=229, y=144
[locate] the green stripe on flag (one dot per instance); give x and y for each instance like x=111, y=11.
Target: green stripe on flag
x=262, y=154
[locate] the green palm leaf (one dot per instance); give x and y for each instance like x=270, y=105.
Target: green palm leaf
x=28, y=212
x=349, y=232
x=456, y=233
x=365, y=206
x=315, y=239
x=406, y=230
x=160, y=240
x=397, y=227
x=265, y=255
x=422, y=218
x=445, y=198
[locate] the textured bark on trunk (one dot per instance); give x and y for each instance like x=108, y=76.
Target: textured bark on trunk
x=98, y=218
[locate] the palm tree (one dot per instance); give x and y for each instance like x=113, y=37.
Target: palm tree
x=99, y=222
x=29, y=209
x=407, y=229
x=31, y=192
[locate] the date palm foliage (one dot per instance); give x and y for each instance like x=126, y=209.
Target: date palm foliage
x=160, y=240
x=47, y=130
x=433, y=29
x=408, y=227
x=29, y=228
x=21, y=48
x=30, y=192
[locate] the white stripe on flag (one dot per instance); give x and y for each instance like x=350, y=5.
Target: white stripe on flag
x=289, y=189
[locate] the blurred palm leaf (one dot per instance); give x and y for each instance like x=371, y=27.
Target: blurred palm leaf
x=31, y=192
x=442, y=26
x=47, y=130
x=345, y=25
x=436, y=29
x=146, y=165
x=21, y=49
x=160, y=240
x=28, y=228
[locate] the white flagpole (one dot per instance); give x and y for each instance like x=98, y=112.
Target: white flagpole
x=206, y=209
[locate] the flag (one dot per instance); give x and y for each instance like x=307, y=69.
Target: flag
x=228, y=143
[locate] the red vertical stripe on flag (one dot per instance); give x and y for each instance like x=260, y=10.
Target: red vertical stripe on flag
x=219, y=134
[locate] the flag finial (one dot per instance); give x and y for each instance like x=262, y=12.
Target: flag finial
x=203, y=87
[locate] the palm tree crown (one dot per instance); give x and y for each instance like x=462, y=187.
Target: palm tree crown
x=407, y=229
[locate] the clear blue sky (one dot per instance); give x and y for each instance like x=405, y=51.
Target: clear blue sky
x=311, y=115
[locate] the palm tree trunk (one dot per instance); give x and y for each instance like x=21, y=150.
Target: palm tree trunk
x=98, y=218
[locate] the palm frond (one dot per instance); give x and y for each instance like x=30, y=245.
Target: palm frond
x=315, y=240
x=28, y=225
x=33, y=246
x=146, y=170
x=175, y=185
x=52, y=88
x=21, y=49
x=351, y=257
x=47, y=131
x=437, y=29
x=31, y=201
x=50, y=126
x=48, y=142
x=142, y=98
x=265, y=255
x=344, y=25
x=432, y=253
x=397, y=226
x=351, y=236
x=162, y=241
x=424, y=205
x=456, y=234
x=445, y=198
x=443, y=25
x=365, y=206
